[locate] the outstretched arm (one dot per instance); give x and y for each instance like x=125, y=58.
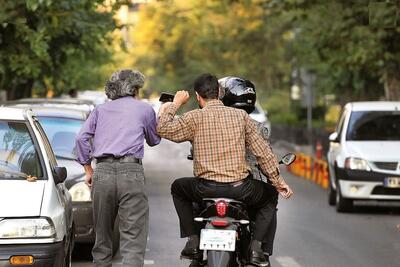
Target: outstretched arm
x=150, y=131
x=174, y=128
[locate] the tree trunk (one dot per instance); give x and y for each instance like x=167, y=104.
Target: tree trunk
x=392, y=85
x=20, y=90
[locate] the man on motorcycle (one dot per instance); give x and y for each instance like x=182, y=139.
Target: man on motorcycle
x=220, y=136
x=239, y=93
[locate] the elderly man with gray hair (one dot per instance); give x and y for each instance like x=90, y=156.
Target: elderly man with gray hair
x=114, y=135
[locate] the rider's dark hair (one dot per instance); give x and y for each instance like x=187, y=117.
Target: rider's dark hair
x=206, y=85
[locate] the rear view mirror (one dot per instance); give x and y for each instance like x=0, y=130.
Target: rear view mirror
x=60, y=174
x=288, y=159
x=334, y=137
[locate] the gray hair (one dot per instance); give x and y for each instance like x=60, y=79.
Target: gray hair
x=123, y=83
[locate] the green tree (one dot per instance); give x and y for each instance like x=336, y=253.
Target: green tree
x=174, y=41
x=353, y=46
x=50, y=43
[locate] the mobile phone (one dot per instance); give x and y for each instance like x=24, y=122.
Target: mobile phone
x=166, y=97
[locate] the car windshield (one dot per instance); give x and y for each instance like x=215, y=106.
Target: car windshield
x=18, y=155
x=61, y=133
x=374, y=126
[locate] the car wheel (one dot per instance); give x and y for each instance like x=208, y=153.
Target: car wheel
x=342, y=204
x=116, y=237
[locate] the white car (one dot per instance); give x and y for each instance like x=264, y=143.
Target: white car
x=98, y=97
x=36, y=224
x=261, y=116
x=364, y=154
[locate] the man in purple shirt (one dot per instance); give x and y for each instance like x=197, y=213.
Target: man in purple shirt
x=114, y=134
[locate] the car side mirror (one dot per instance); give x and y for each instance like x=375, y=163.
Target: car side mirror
x=334, y=137
x=60, y=174
x=288, y=159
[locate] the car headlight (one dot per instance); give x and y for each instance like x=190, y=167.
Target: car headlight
x=357, y=164
x=26, y=228
x=80, y=192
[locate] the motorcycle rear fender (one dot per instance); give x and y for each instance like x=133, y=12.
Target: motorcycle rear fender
x=219, y=258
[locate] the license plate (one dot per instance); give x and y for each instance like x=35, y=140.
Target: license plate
x=223, y=240
x=392, y=182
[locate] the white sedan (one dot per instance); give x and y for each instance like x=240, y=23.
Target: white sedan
x=36, y=224
x=363, y=157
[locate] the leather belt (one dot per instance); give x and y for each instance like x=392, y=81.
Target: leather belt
x=234, y=184
x=125, y=159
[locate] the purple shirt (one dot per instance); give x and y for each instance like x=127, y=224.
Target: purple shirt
x=117, y=128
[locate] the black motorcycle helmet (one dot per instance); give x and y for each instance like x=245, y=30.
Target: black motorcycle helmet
x=238, y=93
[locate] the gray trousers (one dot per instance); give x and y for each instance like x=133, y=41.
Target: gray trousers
x=119, y=189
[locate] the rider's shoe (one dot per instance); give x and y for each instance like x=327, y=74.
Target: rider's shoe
x=259, y=259
x=257, y=256
x=191, y=249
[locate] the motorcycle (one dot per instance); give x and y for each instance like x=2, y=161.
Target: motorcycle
x=226, y=230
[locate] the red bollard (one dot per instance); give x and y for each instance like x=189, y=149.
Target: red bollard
x=318, y=150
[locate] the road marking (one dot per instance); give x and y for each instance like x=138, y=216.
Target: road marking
x=287, y=262
x=146, y=262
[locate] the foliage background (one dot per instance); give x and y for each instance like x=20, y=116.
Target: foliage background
x=351, y=45
x=54, y=44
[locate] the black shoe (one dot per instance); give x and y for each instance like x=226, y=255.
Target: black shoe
x=191, y=250
x=259, y=259
x=257, y=256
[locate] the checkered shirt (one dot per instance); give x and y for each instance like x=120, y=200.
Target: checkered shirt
x=220, y=136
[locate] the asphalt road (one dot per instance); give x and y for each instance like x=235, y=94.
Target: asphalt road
x=310, y=233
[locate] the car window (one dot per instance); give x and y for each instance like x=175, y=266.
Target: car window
x=374, y=126
x=61, y=133
x=18, y=154
x=48, y=148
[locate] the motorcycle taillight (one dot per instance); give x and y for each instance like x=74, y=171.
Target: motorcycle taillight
x=221, y=207
x=219, y=223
